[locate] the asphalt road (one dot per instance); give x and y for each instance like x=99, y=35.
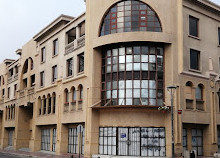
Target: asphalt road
x=3, y=155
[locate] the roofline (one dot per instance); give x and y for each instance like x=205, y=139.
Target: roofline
x=210, y=4
x=81, y=15
x=54, y=22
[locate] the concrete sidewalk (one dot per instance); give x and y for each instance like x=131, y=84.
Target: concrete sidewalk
x=40, y=154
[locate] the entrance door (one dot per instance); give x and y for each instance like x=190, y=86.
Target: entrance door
x=197, y=141
x=129, y=141
x=10, y=137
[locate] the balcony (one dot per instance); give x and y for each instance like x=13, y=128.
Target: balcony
x=13, y=78
x=22, y=93
x=77, y=43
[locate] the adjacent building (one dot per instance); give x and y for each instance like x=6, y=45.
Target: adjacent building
x=92, y=85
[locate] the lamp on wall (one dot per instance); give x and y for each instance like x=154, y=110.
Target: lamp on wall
x=171, y=90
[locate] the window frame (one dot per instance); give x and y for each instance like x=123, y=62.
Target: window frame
x=42, y=78
x=190, y=26
x=81, y=68
x=43, y=54
x=69, y=67
x=55, y=47
x=198, y=58
x=54, y=73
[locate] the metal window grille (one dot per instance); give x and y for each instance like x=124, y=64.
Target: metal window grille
x=132, y=141
x=133, y=75
x=184, y=139
x=197, y=141
x=73, y=141
x=128, y=16
x=45, y=139
x=54, y=139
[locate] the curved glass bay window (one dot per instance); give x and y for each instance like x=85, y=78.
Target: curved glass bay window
x=132, y=75
x=129, y=16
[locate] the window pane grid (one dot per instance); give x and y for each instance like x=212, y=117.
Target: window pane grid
x=132, y=141
x=134, y=78
x=129, y=17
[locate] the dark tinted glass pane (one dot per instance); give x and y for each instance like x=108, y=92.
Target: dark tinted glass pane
x=193, y=26
x=194, y=59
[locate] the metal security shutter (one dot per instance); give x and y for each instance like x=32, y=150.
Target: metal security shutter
x=45, y=139
x=54, y=139
x=10, y=137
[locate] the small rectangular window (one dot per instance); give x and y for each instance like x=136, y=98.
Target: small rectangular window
x=81, y=62
x=194, y=59
x=69, y=64
x=25, y=83
x=193, y=26
x=9, y=92
x=43, y=54
x=42, y=76
x=3, y=92
x=55, y=47
x=54, y=73
x=15, y=89
x=32, y=80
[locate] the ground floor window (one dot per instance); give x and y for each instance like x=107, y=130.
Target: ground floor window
x=197, y=141
x=54, y=139
x=73, y=141
x=45, y=139
x=132, y=141
x=184, y=139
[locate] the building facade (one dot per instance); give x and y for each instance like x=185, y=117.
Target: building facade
x=92, y=85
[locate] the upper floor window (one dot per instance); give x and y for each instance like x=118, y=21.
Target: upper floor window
x=11, y=72
x=130, y=16
x=69, y=64
x=80, y=93
x=194, y=59
x=55, y=47
x=9, y=92
x=81, y=62
x=54, y=73
x=43, y=54
x=193, y=26
x=199, y=89
x=219, y=36
x=42, y=78
x=15, y=89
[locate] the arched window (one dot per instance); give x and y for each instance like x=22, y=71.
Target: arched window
x=49, y=103
x=73, y=90
x=188, y=90
x=54, y=102
x=32, y=63
x=44, y=104
x=66, y=95
x=130, y=16
x=80, y=93
x=39, y=105
x=25, y=68
x=199, y=92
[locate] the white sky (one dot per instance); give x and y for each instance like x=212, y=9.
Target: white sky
x=22, y=19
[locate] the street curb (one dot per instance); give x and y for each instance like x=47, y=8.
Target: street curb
x=16, y=154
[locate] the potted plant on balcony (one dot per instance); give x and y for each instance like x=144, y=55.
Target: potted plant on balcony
x=163, y=108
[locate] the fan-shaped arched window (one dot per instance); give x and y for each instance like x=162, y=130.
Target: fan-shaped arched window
x=54, y=102
x=25, y=68
x=130, y=16
x=80, y=92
